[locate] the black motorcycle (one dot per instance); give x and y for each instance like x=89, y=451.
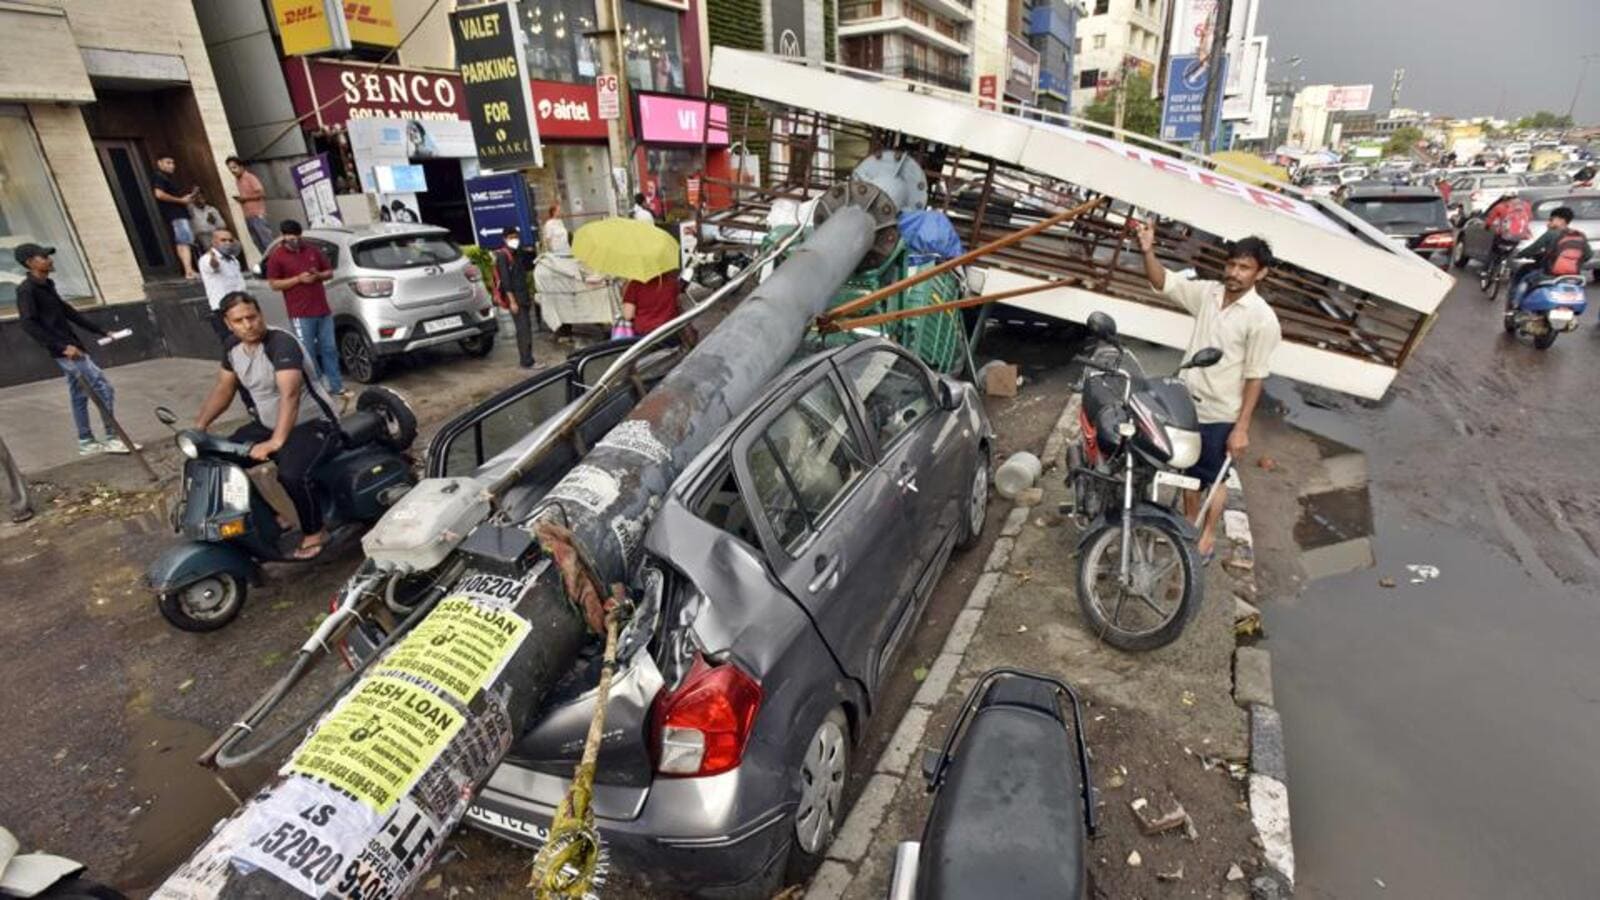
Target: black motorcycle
x=229, y=527
x=1139, y=579
x=1013, y=801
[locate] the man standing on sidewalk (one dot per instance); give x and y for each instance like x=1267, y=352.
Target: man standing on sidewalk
x=298, y=270
x=511, y=291
x=252, y=200
x=222, y=274
x=49, y=320
x=1230, y=316
x=175, y=209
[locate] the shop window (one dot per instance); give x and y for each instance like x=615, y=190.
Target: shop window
x=576, y=175
x=655, y=53
x=863, y=52
x=1099, y=42
x=1101, y=7
x=561, y=44
x=30, y=213
x=1089, y=78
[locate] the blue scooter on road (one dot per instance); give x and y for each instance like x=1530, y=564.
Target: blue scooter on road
x=1543, y=307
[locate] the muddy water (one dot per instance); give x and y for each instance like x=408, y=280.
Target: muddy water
x=1443, y=732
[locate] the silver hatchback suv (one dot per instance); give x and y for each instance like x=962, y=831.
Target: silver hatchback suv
x=398, y=288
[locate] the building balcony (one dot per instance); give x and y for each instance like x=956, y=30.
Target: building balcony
x=906, y=26
x=955, y=78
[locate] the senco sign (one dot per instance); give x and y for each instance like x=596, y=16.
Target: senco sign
x=365, y=92
x=567, y=111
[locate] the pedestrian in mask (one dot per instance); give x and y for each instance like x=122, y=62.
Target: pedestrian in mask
x=222, y=274
x=511, y=266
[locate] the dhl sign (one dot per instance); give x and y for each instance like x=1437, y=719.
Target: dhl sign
x=319, y=26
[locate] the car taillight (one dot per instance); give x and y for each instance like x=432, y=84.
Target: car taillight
x=704, y=725
x=373, y=287
x=1439, y=240
x=472, y=273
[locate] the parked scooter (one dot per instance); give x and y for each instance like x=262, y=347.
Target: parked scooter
x=1139, y=578
x=1543, y=308
x=1013, y=802
x=229, y=526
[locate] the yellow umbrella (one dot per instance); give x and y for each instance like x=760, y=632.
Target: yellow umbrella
x=1251, y=168
x=625, y=248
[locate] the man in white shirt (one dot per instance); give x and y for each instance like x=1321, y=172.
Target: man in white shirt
x=1232, y=317
x=221, y=272
x=641, y=212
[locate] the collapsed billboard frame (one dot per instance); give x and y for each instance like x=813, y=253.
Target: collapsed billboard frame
x=1353, y=306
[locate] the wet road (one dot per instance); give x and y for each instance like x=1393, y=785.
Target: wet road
x=1443, y=732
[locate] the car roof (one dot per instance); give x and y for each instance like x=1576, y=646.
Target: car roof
x=352, y=233
x=1367, y=190
x=1541, y=194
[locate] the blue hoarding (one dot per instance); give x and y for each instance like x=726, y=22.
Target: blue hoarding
x=498, y=202
x=1183, y=109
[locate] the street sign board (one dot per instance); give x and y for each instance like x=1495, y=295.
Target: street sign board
x=499, y=97
x=498, y=202
x=610, y=96
x=1183, y=108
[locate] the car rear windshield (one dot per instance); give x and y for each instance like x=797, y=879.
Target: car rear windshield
x=1424, y=211
x=1584, y=208
x=406, y=251
x=1500, y=181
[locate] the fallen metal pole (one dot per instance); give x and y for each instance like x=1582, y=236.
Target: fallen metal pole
x=363, y=805
x=935, y=308
x=122, y=434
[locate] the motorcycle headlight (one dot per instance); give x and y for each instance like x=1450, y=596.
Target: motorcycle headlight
x=187, y=447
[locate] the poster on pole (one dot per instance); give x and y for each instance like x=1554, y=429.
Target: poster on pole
x=1183, y=108
x=498, y=202
x=499, y=96
x=609, y=96
x=313, y=180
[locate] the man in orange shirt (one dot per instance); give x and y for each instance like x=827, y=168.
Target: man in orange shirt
x=252, y=200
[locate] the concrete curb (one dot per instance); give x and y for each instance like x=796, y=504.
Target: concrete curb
x=894, y=767
x=1252, y=689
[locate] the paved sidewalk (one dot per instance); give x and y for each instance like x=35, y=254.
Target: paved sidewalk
x=1157, y=722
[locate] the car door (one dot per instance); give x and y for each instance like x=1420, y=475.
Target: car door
x=826, y=516
x=895, y=400
x=466, y=442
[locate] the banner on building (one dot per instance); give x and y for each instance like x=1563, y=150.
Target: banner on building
x=331, y=93
x=1350, y=98
x=371, y=22
x=498, y=202
x=789, y=28
x=499, y=97
x=671, y=119
x=569, y=111
x=1183, y=109
x=1022, y=71
x=986, y=91
x=608, y=95
x=311, y=26
x=313, y=180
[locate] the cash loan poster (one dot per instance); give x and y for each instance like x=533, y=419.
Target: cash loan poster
x=499, y=97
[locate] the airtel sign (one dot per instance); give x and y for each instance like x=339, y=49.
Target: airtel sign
x=567, y=111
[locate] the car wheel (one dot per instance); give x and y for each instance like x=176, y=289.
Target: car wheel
x=976, y=507
x=478, y=346
x=1458, y=256
x=361, y=363
x=823, y=771
x=205, y=605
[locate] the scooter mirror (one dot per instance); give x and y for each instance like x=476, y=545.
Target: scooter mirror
x=167, y=416
x=1102, y=325
x=1205, y=356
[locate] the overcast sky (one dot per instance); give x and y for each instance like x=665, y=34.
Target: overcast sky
x=1461, y=56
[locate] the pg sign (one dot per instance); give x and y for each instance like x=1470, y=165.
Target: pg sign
x=499, y=98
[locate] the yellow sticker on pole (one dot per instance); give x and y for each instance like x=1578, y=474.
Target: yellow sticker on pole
x=460, y=647
x=379, y=740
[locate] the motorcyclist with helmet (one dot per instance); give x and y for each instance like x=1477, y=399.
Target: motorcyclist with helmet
x=1561, y=250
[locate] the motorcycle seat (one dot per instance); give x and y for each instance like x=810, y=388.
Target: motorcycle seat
x=1551, y=280
x=1008, y=819
x=360, y=428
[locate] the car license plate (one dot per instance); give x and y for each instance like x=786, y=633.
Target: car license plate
x=438, y=325
x=1560, y=316
x=1184, y=482
x=498, y=821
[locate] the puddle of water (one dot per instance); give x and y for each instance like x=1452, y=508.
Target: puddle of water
x=1334, y=529
x=181, y=800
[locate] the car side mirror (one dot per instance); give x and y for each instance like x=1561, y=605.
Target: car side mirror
x=167, y=416
x=949, y=396
x=1102, y=325
x=1203, y=358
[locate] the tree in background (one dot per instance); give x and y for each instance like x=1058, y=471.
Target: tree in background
x=1141, y=113
x=1544, y=119
x=1402, y=141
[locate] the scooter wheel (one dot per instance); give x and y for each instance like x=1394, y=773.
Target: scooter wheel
x=1543, y=341
x=399, y=422
x=205, y=605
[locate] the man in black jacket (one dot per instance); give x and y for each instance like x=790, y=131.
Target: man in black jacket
x=511, y=289
x=48, y=319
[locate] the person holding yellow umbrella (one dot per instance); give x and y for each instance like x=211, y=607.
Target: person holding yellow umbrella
x=646, y=258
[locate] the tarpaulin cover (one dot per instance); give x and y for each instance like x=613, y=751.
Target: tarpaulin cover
x=928, y=233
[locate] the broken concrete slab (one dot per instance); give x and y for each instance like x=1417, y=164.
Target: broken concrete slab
x=1252, y=676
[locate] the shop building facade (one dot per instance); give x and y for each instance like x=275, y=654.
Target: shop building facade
x=90, y=95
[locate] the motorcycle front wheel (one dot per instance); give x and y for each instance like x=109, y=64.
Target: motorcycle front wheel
x=205, y=605
x=1161, y=594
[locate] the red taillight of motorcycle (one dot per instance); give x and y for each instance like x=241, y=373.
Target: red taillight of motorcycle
x=702, y=728
x=1439, y=240
x=1091, y=447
